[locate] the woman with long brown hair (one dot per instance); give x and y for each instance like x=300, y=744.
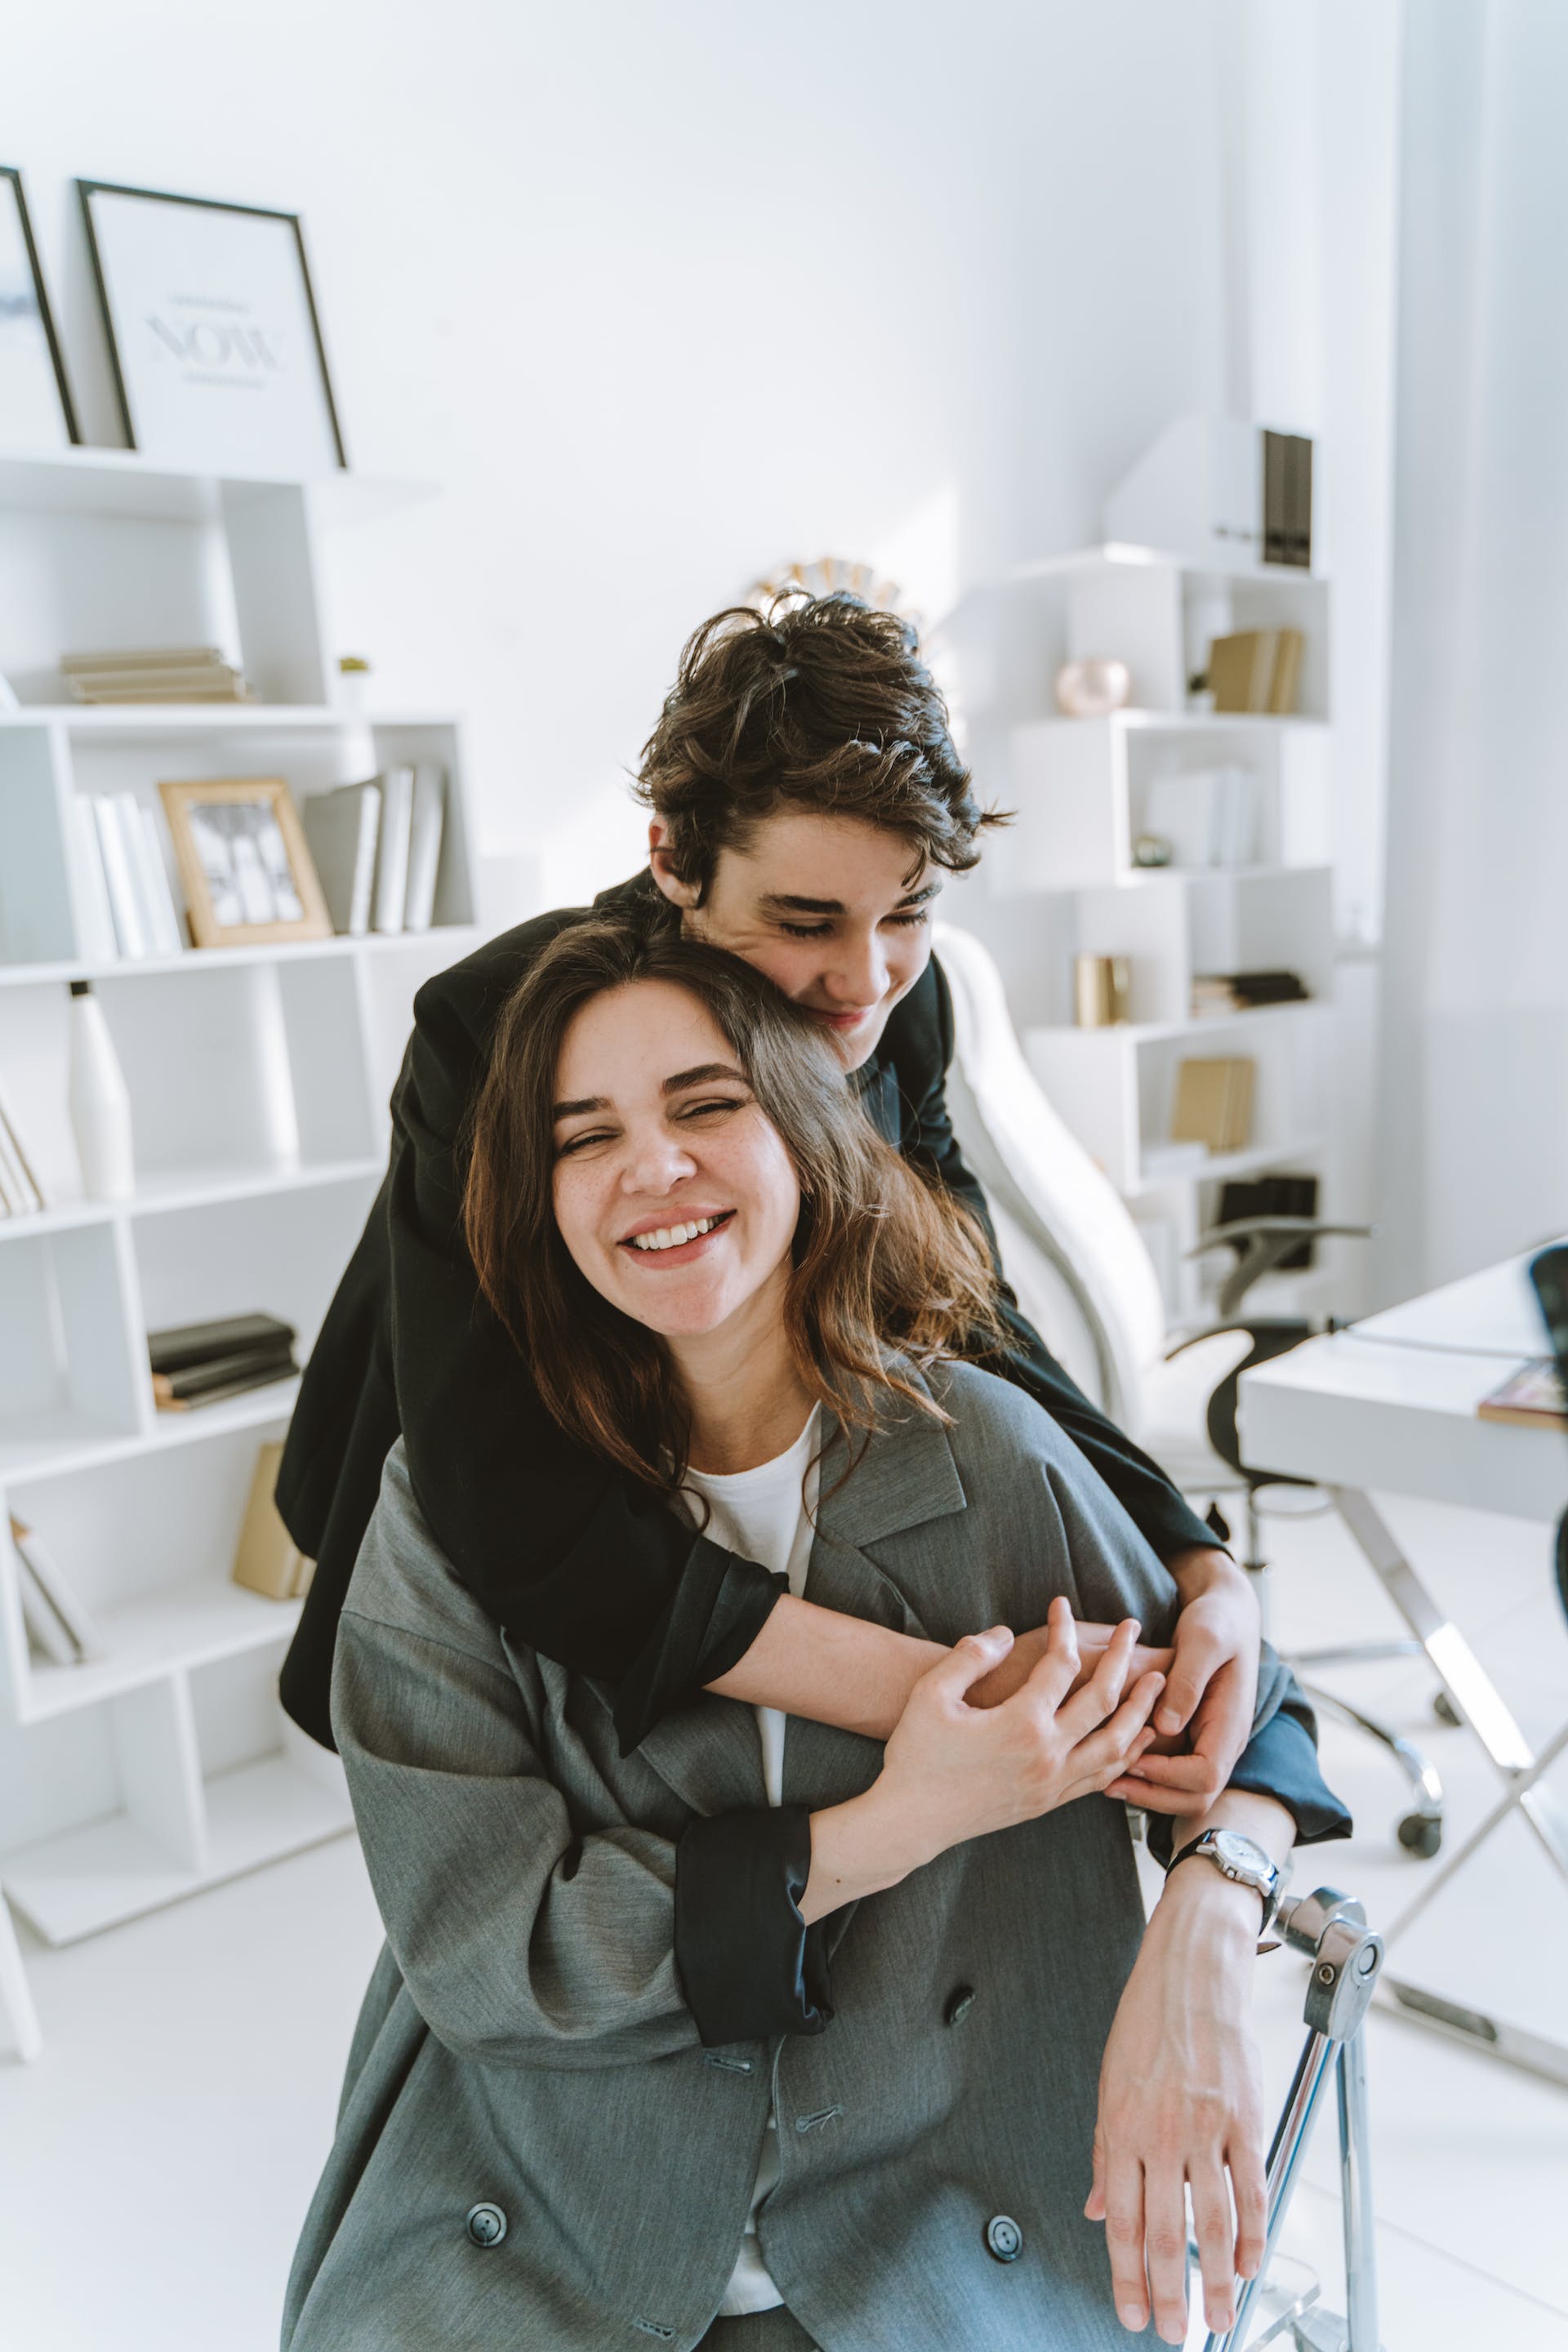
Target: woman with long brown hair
x=752, y=2038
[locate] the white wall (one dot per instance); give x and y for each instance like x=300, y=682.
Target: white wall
x=666, y=294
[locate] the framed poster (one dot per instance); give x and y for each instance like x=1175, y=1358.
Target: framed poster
x=244, y=862
x=36, y=410
x=213, y=332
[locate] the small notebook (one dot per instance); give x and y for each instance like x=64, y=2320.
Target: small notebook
x=1531, y=1397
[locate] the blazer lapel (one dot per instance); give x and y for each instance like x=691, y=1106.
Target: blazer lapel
x=903, y=1479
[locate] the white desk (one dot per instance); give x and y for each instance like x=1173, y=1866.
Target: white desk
x=1391, y=1405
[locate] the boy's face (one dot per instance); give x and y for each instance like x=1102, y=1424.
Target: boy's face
x=827, y=908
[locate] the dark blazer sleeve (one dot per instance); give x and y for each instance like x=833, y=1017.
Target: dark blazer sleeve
x=546, y=1536
x=922, y=1045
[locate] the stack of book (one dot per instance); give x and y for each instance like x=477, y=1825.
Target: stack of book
x=377, y=849
x=57, y=1626
x=155, y=674
x=202, y=1363
x=1257, y=670
x=125, y=894
x=1213, y=1103
x=20, y=1190
x=1219, y=992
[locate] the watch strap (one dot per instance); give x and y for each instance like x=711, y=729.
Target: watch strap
x=1204, y=1849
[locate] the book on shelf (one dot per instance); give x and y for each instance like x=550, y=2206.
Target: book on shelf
x=1219, y=992
x=1213, y=1103
x=182, y=1345
x=171, y=674
x=343, y=827
x=1286, y=498
x=55, y=1616
x=97, y=940
x=136, y=881
x=1531, y=1398
x=427, y=823
x=1256, y=671
x=392, y=850
x=119, y=875
x=266, y=1559
x=248, y=1368
x=21, y=1193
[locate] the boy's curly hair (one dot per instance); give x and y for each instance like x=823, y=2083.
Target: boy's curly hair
x=820, y=703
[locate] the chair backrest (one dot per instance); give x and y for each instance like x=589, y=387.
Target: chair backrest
x=1069, y=1247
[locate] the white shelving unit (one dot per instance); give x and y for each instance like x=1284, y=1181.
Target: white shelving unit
x=259, y=1078
x=1082, y=789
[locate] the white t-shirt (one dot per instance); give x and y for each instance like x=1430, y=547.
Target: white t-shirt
x=764, y=1515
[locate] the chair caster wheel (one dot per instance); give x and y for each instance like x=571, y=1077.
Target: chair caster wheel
x=1419, y=1835
x=1445, y=1710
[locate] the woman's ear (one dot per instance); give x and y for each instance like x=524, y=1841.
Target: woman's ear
x=678, y=893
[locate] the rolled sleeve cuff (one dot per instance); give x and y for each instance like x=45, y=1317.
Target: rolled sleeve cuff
x=719, y=1605
x=1280, y=1761
x=749, y=1966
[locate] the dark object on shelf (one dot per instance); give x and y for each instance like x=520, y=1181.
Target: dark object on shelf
x=187, y=1345
x=1152, y=849
x=1243, y=991
x=32, y=414
x=1271, y=1196
x=224, y=1376
x=1287, y=500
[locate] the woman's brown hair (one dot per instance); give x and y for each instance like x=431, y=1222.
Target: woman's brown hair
x=884, y=1264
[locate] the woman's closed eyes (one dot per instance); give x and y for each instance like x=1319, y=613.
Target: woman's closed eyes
x=711, y=1108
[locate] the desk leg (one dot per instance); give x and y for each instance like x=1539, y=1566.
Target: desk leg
x=15, y=1998
x=1457, y=1668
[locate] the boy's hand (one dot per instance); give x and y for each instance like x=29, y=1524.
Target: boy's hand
x=1211, y=1690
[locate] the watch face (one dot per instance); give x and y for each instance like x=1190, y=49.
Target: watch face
x=1243, y=1856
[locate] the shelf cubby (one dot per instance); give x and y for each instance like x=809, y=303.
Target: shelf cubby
x=259, y=1078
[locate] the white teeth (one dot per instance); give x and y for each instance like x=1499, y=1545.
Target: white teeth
x=672, y=1236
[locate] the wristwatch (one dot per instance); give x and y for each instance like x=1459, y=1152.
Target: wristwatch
x=1242, y=1859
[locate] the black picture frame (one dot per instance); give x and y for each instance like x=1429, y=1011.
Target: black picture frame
x=67, y=407
x=88, y=189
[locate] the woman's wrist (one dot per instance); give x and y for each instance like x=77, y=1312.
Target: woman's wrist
x=861, y=1847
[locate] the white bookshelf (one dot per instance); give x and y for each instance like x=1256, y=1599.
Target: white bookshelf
x=259, y=1079
x=1082, y=789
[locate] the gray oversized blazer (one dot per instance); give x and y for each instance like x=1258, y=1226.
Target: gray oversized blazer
x=524, y=2041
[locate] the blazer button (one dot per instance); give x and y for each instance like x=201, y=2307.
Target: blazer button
x=960, y=2001
x=487, y=2224
x=1004, y=2238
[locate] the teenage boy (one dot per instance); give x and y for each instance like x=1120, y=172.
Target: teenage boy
x=806, y=800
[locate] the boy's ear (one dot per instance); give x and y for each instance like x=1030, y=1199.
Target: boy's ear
x=678, y=893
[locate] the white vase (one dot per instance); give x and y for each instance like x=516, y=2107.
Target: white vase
x=99, y=1102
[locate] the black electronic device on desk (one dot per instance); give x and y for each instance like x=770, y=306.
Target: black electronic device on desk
x=1549, y=1273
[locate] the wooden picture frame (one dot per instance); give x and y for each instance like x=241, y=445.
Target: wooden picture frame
x=245, y=874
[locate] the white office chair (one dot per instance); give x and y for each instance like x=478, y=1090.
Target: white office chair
x=1082, y=1274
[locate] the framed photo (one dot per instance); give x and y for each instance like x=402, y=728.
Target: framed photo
x=244, y=862
x=36, y=410
x=213, y=332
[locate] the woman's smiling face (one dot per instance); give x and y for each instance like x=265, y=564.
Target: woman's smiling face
x=657, y=1132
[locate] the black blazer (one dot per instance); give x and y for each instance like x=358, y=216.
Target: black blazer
x=550, y=1540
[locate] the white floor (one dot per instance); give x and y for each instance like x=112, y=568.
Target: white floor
x=156, y=2160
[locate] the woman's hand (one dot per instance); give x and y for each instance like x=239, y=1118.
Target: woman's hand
x=1180, y=2098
